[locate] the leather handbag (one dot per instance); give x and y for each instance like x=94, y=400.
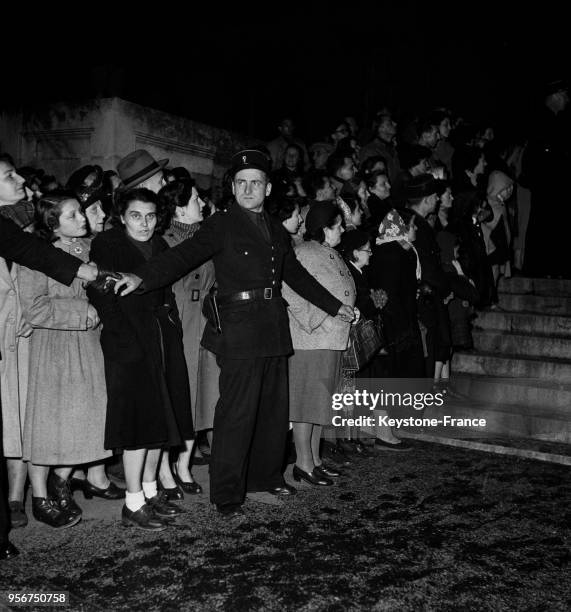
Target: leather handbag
x=364, y=343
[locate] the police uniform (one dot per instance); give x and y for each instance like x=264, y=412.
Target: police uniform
x=251, y=257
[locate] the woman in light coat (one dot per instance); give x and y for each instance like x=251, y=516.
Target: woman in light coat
x=185, y=206
x=318, y=340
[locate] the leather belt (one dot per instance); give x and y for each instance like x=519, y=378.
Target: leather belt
x=267, y=293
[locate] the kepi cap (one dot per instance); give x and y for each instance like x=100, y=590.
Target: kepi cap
x=250, y=158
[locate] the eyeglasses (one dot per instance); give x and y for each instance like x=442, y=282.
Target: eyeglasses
x=366, y=251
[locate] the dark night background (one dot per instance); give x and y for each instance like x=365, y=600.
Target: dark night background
x=246, y=68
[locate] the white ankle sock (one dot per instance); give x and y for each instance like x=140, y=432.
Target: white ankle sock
x=150, y=489
x=134, y=501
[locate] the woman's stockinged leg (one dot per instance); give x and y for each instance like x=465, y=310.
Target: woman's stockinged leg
x=315, y=443
x=302, y=437
x=133, y=462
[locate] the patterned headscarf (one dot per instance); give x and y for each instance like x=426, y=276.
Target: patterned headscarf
x=393, y=228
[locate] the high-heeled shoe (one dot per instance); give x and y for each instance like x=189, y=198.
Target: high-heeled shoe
x=192, y=488
x=326, y=470
x=90, y=490
x=311, y=478
x=60, y=492
x=172, y=493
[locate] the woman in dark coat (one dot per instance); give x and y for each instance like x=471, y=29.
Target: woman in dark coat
x=148, y=407
x=394, y=267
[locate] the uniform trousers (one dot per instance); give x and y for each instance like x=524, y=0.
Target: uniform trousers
x=250, y=428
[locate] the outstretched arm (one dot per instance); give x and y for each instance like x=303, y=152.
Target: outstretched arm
x=172, y=264
x=36, y=254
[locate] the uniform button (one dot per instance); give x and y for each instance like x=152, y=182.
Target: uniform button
x=11, y=292
x=346, y=293
x=273, y=258
x=341, y=272
x=273, y=270
x=331, y=256
x=273, y=282
x=12, y=348
x=245, y=252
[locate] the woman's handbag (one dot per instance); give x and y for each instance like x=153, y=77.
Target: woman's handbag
x=364, y=343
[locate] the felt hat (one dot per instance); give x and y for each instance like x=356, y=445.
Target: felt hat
x=137, y=167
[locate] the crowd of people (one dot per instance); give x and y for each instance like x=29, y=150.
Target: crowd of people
x=222, y=322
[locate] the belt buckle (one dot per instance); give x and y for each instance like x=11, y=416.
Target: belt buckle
x=268, y=293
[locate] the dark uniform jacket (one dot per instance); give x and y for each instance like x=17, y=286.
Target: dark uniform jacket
x=243, y=260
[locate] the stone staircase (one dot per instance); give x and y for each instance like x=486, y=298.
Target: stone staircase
x=518, y=377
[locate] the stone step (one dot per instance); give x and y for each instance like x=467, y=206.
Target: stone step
x=515, y=302
x=526, y=323
x=547, y=399
x=512, y=366
x=537, y=286
x=503, y=420
x=502, y=342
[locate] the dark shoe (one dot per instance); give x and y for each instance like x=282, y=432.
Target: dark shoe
x=160, y=505
x=90, y=490
x=48, y=511
x=192, y=488
x=326, y=470
x=312, y=478
x=18, y=516
x=231, y=513
x=399, y=446
x=172, y=493
x=335, y=454
x=284, y=490
x=8, y=551
x=143, y=518
x=60, y=491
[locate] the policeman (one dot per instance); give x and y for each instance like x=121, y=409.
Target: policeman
x=252, y=254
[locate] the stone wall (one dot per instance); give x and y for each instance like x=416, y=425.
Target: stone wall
x=62, y=137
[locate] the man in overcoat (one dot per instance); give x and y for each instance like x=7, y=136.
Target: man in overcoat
x=252, y=254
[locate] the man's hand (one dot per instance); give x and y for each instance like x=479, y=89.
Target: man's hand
x=127, y=284
x=346, y=313
x=87, y=272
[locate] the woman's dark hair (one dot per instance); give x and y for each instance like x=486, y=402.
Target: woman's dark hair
x=139, y=195
x=300, y=159
x=371, y=179
x=351, y=241
x=368, y=165
x=48, y=211
x=175, y=193
x=282, y=208
x=412, y=155
x=318, y=234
